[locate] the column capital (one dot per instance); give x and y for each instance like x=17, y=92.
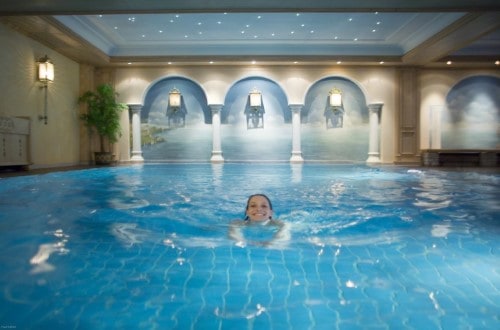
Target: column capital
x=215, y=108
x=375, y=107
x=135, y=107
x=296, y=108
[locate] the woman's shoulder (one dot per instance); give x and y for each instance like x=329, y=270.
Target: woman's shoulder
x=276, y=222
x=238, y=222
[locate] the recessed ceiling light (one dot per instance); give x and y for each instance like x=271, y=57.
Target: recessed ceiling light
x=378, y=23
x=169, y=63
x=199, y=23
x=336, y=38
x=350, y=19
x=219, y=22
x=259, y=17
x=381, y=62
x=272, y=34
x=211, y=62
x=292, y=32
x=298, y=14
x=302, y=25
x=129, y=63
x=160, y=31
x=448, y=63
x=497, y=62
x=374, y=30
x=339, y=62
x=355, y=39
x=312, y=31
x=254, y=62
x=144, y=36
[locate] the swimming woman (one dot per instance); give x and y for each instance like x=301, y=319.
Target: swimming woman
x=259, y=212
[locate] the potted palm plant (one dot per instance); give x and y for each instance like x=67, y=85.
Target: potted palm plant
x=103, y=118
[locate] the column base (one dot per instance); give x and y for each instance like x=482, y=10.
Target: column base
x=137, y=156
x=217, y=157
x=296, y=157
x=373, y=158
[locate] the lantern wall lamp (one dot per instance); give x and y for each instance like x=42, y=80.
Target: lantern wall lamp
x=45, y=76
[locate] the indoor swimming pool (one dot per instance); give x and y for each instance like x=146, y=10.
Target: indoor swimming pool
x=146, y=246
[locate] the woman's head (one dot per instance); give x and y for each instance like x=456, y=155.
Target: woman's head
x=259, y=208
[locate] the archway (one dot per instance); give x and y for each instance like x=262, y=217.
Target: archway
x=269, y=142
x=162, y=140
x=346, y=141
x=471, y=119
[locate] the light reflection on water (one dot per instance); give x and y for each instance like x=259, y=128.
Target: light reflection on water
x=149, y=242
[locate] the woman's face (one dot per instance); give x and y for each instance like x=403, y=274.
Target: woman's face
x=259, y=209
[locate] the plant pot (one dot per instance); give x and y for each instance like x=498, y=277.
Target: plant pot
x=104, y=158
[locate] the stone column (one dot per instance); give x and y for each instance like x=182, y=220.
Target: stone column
x=136, y=132
x=296, y=149
x=216, y=139
x=374, y=143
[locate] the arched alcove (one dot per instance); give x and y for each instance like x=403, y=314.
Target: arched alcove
x=348, y=141
x=270, y=142
x=471, y=118
x=161, y=139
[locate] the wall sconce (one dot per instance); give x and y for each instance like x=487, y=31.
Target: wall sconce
x=45, y=75
x=255, y=98
x=334, y=111
x=45, y=70
x=335, y=97
x=174, y=98
x=176, y=112
x=255, y=110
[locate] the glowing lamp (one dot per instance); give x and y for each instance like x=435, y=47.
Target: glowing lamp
x=255, y=99
x=335, y=97
x=45, y=70
x=174, y=98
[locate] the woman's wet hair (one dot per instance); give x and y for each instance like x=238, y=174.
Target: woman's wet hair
x=248, y=203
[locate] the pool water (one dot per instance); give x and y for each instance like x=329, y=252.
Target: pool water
x=146, y=246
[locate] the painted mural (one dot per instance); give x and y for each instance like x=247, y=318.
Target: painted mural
x=272, y=138
x=471, y=118
x=321, y=140
x=254, y=133
x=176, y=134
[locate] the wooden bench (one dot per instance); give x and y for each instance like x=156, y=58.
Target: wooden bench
x=460, y=158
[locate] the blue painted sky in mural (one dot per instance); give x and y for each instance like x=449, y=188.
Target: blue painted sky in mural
x=471, y=119
x=356, y=110
x=156, y=101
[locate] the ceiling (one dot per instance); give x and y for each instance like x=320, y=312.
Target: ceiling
x=152, y=32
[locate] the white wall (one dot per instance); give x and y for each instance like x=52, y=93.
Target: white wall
x=54, y=144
